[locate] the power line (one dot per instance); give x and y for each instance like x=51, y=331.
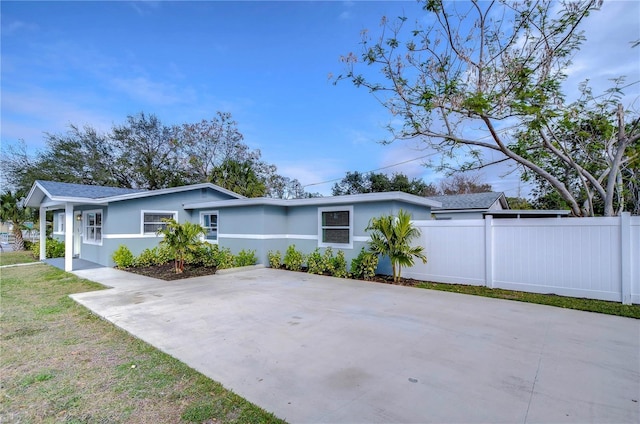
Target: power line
x=374, y=170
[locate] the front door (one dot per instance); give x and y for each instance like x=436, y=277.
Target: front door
x=77, y=233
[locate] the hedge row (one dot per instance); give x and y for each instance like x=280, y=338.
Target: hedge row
x=362, y=267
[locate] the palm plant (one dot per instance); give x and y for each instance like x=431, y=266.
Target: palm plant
x=12, y=210
x=180, y=239
x=392, y=236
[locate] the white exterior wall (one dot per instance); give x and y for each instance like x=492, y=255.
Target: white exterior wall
x=580, y=257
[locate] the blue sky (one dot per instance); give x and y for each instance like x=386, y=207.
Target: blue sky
x=267, y=63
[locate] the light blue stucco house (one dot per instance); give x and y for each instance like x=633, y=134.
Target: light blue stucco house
x=94, y=220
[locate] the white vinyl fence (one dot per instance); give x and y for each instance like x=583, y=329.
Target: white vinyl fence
x=596, y=258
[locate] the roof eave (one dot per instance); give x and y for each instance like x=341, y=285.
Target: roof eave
x=316, y=201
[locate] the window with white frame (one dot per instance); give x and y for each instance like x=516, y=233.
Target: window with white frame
x=92, y=227
x=335, y=227
x=60, y=224
x=152, y=221
x=209, y=221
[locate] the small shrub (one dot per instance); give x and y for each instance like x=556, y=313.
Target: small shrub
x=54, y=249
x=327, y=262
x=275, y=259
x=293, y=259
x=202, y=254
x=364, y=266
x=340, y=265
x=163, y=255
x=245, y=258
x=28, y=245
x=314, y=262
x=147, y=257
x=224, y=257
x=123, y=257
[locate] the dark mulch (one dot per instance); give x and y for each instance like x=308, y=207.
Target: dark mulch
x=167, y=272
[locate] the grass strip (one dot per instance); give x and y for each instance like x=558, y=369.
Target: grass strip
x=589, y=305
x=13, y=258
x=61, y=363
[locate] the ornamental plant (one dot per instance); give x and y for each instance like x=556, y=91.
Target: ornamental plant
x=293, y=259
x=364, y=265
x=392, y=236
x=123, y=257
x=181, y=239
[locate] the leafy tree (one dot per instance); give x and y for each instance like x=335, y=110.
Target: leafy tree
x=145, y=153
x=473, y=78
x=464, y=184
x=19, y=169
x=81, y=155
x=519, y=203
x=13, y=210
x=239, y=177
x=280, y=187
x=392, y=236
x=181, y=239
x=148, y=151
x=584, y=138
x=209, y=143
x=357, y=182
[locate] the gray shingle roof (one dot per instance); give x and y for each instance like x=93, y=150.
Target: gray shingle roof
x=467, y=201
x=85, y=191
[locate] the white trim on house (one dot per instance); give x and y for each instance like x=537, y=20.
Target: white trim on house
x=321, y=227
x=217, y=228
x=159, y=212
x=267, y=236
x=86, y=239
x=131, y=236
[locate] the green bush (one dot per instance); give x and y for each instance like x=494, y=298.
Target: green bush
x=123, y=257
x=147, y=257
x=54, y=249
x=293, y=259
x=201, y=254
x=340, y=265
x=327, y=264
x=223, y=256
x=163, y=255
x=315, y=263
x=245, y=258
x=327, y=261
x=364, y=266
x=275, y=259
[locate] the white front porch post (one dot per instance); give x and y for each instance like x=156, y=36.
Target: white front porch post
x=68, y=237
x=43, y=233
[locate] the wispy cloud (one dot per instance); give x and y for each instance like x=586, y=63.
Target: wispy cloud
x=145, y=7
x=605, y=53
x=15, y=27
x=156, y=93
x=27, y=115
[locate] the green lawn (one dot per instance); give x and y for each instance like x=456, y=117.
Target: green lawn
x=590, y=305
x=60, y=363
x=12, y=258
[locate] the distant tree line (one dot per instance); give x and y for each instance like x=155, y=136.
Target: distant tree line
x=373, y=182
x=145, y=153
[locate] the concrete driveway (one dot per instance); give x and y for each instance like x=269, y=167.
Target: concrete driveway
x=317, y=349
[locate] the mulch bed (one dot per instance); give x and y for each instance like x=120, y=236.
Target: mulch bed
x=167, y=271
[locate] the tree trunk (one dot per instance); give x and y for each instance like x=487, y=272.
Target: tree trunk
x=18, y=243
